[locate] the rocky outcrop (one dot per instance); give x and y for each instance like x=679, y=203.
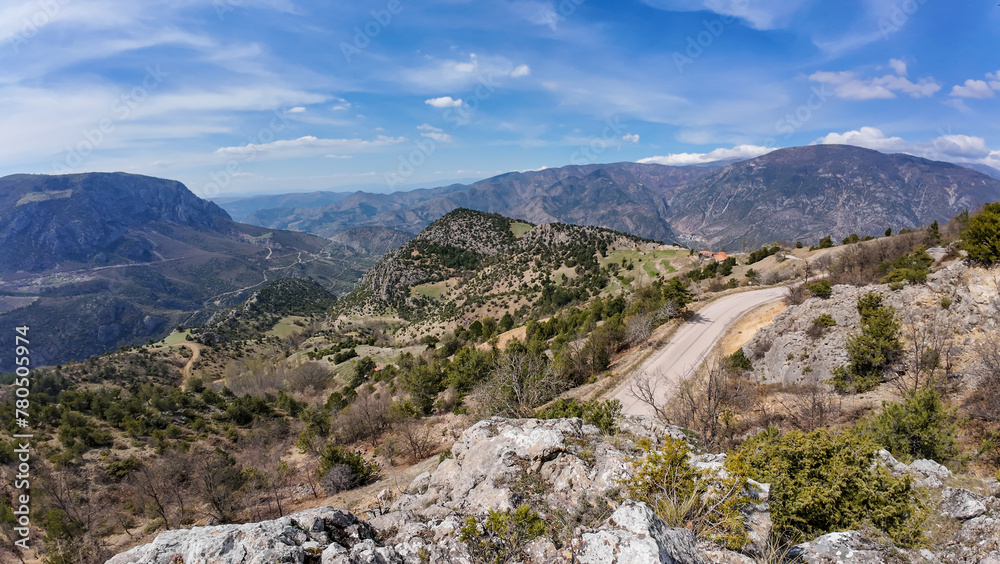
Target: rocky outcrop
x=786, y=352
x=563, y=466
x=569, y=472
x=322, y=536
x=635, y=534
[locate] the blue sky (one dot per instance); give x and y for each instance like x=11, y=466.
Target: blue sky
x=235, y=97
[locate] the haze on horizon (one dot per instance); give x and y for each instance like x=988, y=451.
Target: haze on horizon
x=236, y=97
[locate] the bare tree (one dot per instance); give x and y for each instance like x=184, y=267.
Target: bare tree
x=416, y=438
x=814, y=407
x=520, y=382
x=644, y=388
x=366, y=418
x=930, y=347
x=796, y=294
x=986, y=368
x=706, y=401
x=639, y=327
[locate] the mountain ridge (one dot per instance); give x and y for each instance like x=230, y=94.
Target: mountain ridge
x=688, y=203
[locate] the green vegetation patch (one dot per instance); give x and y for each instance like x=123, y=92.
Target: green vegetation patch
x=435, y=291
x=287, y=325
x=520, y=229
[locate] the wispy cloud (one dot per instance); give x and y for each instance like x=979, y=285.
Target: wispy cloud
x=305, y=147
x=849, y=86
x=721, y=154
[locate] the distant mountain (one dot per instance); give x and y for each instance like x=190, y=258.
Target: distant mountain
x=372, y=241
x=627, y=197
x=472, y=264
x=805, y=193
x=801, y=193
x=95, y=261
x=240, y=208
x=984, y=169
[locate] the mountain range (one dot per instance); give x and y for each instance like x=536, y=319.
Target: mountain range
x=95, y=261
x=799, y=193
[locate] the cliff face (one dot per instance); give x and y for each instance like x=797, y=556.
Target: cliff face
x=48, y=220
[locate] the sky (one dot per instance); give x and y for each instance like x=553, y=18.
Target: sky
x=240, y=97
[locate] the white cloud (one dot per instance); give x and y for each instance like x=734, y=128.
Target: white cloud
x=759, y=14
x=444, y=102
x=973, y=89
x=296, y=110
x=721, y=154
x=451, y=74
x=994, y=78
x=948, y=147
x=867, y=137
x=431, y=132
x=848, y=86
x=522, y=70
x=631, y=138
x=307, y=146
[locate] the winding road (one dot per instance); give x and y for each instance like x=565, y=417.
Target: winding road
x=690, y=345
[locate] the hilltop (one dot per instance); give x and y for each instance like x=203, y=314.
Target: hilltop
x=471, y=264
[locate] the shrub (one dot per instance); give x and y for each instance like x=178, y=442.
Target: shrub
x=821, y=289
x=823, y=482
x=825, y=320
x=872, y=350
x=739, y=361
x=981, y=238
x=351, y=469
x=920, y=427
x=601, y=414
x=683, y=496
x=503, y=535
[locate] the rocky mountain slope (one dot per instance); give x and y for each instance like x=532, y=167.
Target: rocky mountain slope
x=805, y=193
x=573, y=472
x=626, y=197
x=372, y=241
x=801, y=193
x=95, y=261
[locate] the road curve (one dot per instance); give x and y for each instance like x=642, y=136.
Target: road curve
x=690, y=345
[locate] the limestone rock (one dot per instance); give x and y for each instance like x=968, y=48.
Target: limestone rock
x=335, y=535
x=634, y=534
x=961, y=504
x=836, y=548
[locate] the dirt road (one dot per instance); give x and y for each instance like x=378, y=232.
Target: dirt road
x=690, y=345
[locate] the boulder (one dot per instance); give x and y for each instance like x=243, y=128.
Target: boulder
x=836, y=548
x=634, y=534
x=961, y=504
